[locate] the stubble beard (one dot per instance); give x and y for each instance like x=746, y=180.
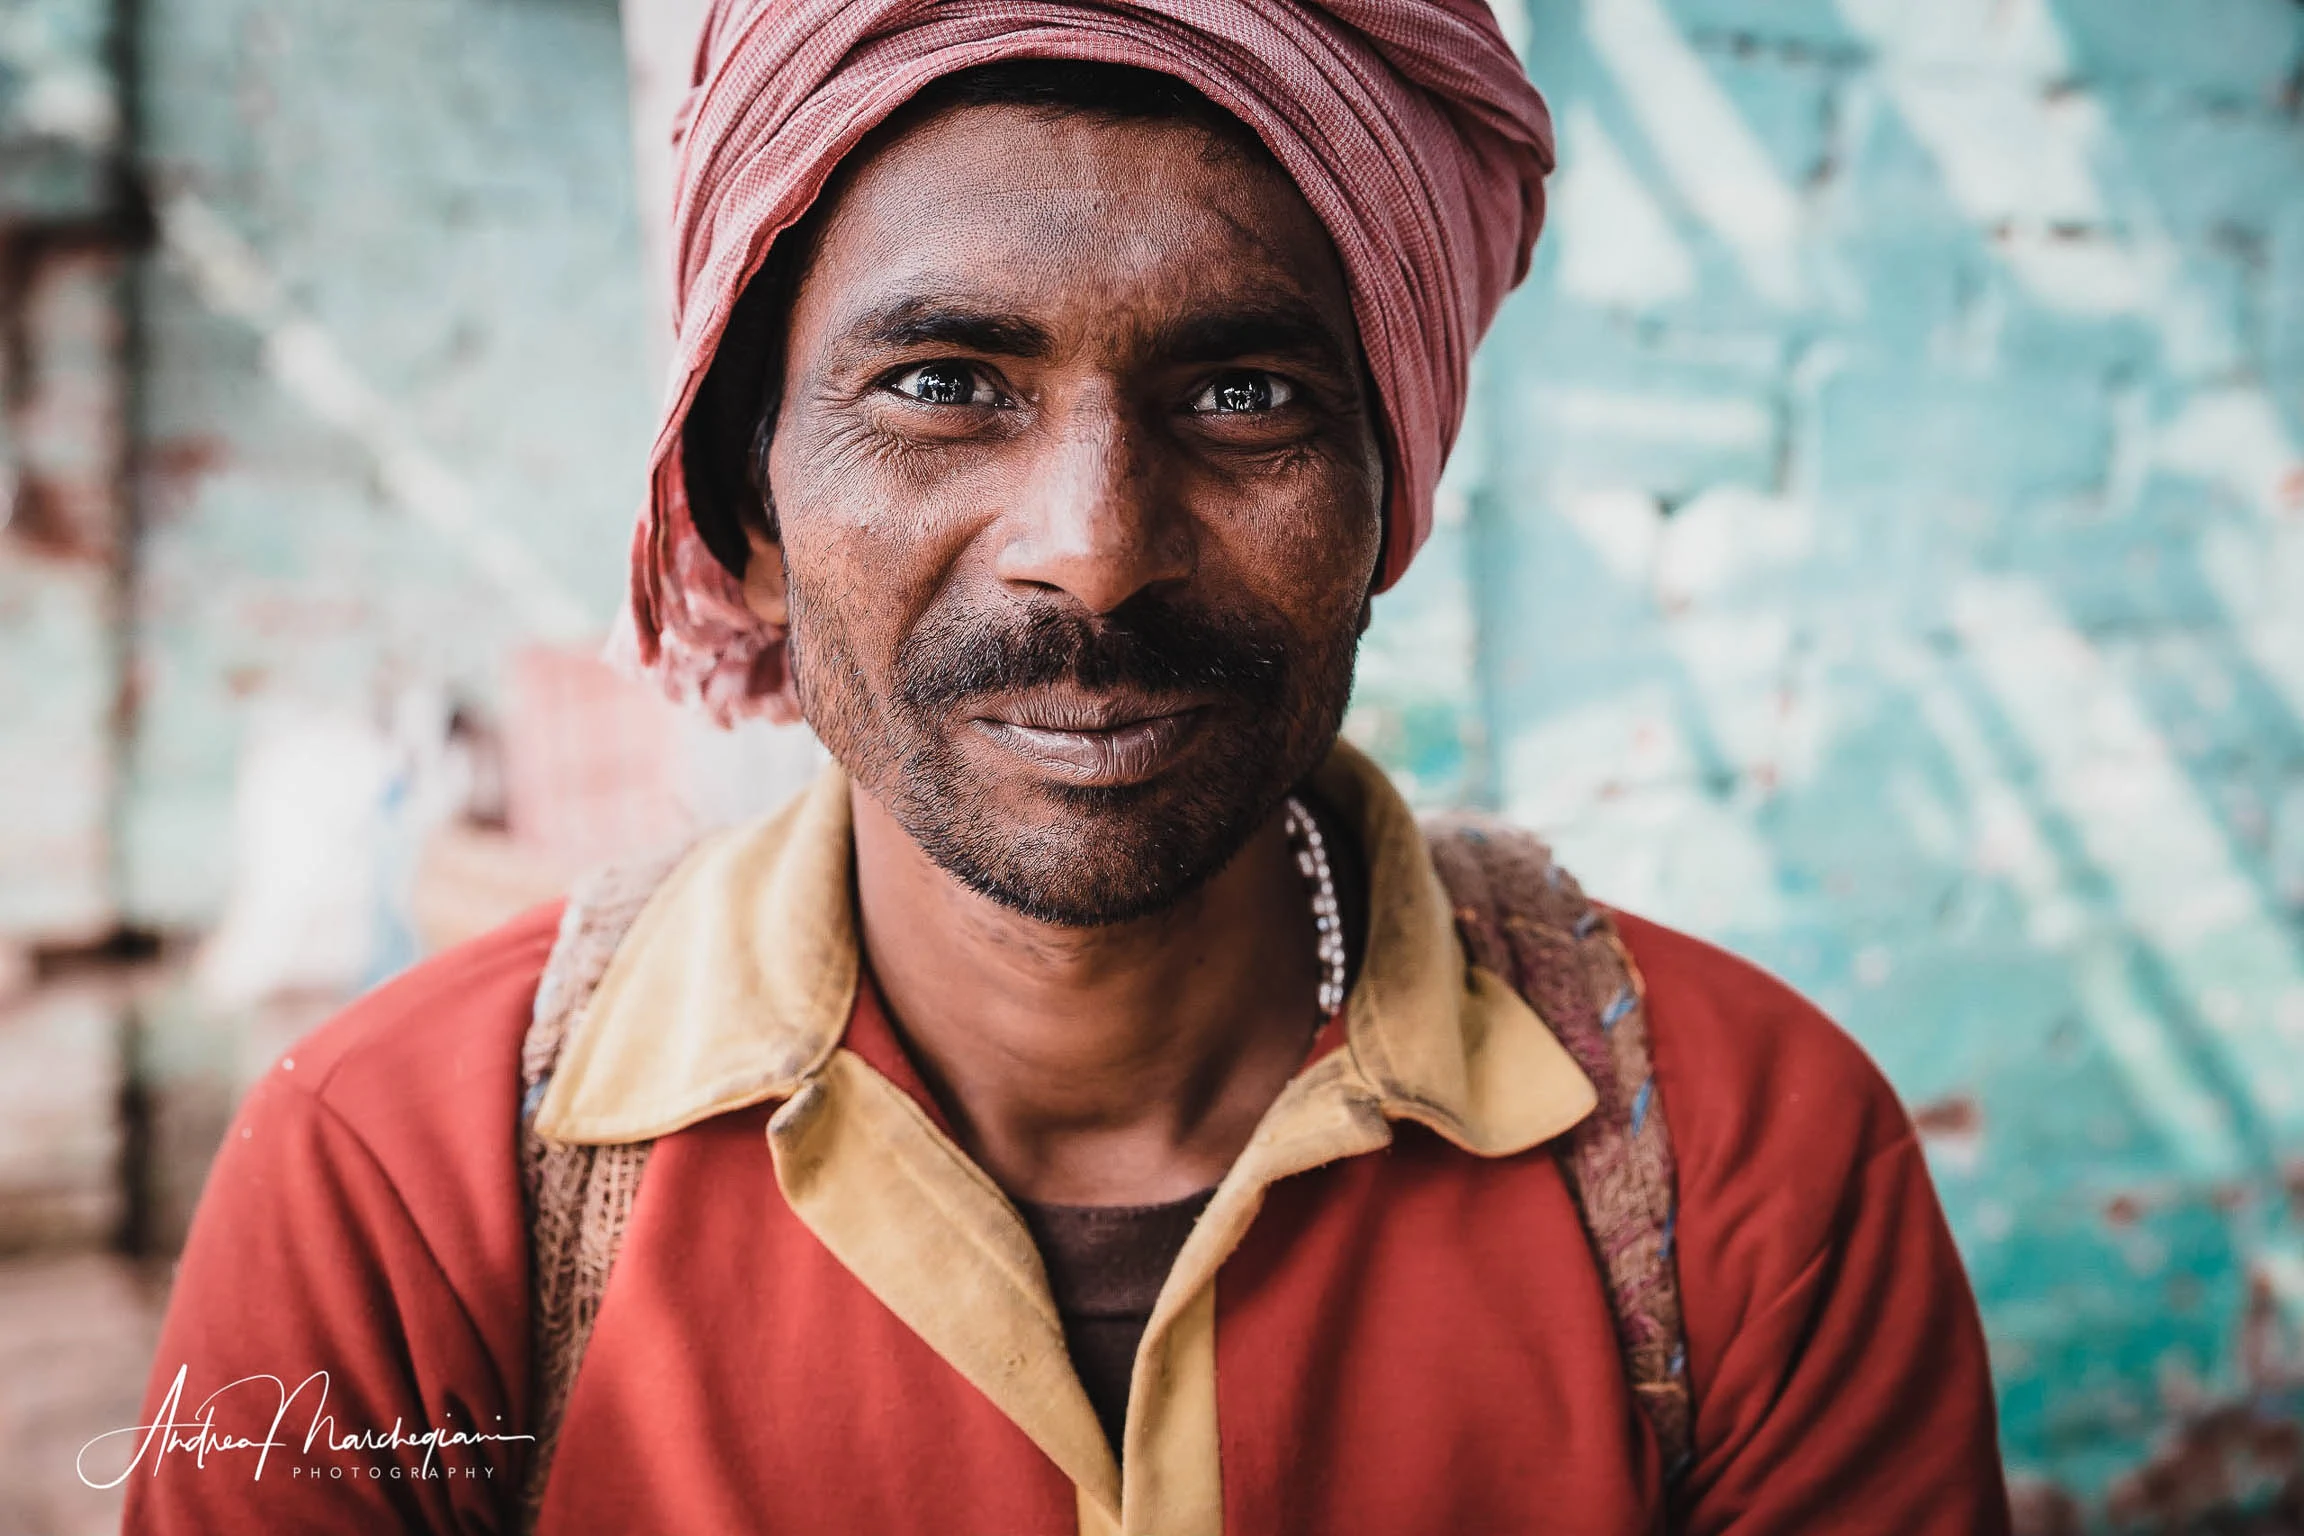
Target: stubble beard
x=1072, y=855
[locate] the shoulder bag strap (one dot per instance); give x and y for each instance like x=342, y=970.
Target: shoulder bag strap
x=578, y=1197
x=1523, y=918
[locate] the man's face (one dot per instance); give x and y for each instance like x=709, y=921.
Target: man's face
x=1080, y=500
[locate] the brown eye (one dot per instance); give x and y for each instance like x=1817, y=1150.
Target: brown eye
x=944, y=384
x=1238, y=394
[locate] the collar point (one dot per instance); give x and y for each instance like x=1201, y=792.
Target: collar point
x=1506, y=1133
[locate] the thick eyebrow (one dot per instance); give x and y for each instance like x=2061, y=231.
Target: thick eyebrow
x=929, y=320
x=1280, y=328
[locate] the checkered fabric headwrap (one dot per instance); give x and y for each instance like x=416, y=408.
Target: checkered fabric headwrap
x=1409, y=126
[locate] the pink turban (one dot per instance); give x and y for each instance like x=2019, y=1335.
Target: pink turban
x=1408, y=125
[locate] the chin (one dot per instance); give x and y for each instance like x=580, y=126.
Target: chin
x=1087, y=856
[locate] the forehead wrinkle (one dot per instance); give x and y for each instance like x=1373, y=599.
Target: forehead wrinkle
x=1221, y=277
x=1059, y=147
x=1041, y=252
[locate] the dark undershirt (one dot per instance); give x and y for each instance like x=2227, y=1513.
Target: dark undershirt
x=1106, y=1264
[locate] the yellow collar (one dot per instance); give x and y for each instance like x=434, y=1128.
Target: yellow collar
x=735, y=985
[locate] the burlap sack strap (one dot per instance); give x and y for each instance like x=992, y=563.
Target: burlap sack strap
x=578, y=1197
x=1520, y=916
x=1524, y=918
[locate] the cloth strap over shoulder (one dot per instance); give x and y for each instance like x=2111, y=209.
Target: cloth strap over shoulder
x=578, y=1197
x=1524, y=918
x=1520, y=916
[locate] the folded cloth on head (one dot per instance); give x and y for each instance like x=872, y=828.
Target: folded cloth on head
x=1408, y=125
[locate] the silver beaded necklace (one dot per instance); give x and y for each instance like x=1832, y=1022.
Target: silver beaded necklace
x=1312, y=859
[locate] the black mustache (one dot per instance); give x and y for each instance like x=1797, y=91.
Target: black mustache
x=1145, y=645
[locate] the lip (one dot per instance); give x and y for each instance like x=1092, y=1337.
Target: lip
x=1101, y=743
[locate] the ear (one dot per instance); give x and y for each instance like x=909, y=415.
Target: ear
x=764, y=590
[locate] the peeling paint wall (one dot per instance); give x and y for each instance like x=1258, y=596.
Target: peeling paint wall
x=395, y=392
x=63, y=426
x=1885, y=555
x=323, y=387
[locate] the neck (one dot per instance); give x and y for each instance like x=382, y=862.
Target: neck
x=1121, y=1065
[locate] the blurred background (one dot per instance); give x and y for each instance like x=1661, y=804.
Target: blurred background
x=1877, y=545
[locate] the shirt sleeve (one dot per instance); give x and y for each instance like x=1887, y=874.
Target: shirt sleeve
x=1841, y=1383
x=1859, y=1399
x=317, y=1372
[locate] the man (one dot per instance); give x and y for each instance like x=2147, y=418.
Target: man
x=1081, y=1111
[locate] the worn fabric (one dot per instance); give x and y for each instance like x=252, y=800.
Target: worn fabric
x=736, y=985
x=577, y=1196
x=1106, y=1264
x=1409, y=126
x=1406, y=1329
x=1520, y=917
x=1526, y=919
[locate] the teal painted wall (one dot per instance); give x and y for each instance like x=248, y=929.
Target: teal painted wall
x=1881, y=550
x=61, y=445
x=394, y=387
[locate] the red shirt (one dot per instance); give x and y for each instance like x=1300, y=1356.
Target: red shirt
x=1411, y=1339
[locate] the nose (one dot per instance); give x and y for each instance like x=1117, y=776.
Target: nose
x=1093, y=521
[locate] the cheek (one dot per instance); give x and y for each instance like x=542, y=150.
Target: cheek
x=1307, y=541
x=866, y=551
